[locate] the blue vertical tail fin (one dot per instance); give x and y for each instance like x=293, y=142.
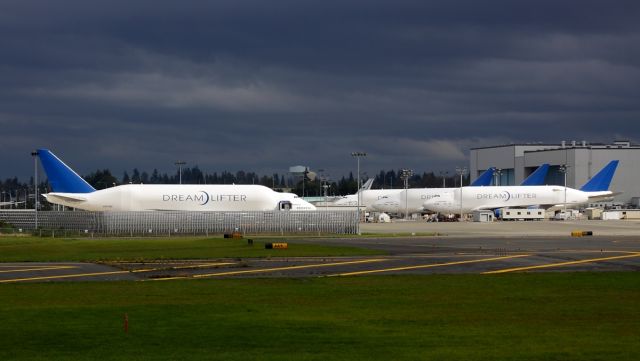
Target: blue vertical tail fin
x=484, y=179
x=62, y=178
x=537, y=178
x=601, y=181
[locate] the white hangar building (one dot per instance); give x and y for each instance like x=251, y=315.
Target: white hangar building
x=514, y=162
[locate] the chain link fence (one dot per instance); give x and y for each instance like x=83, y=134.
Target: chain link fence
x=193, y=223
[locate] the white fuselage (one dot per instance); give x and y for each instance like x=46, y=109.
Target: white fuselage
x=448, y=200
x=152, y=197
x=477, y=198
x=405, y=201
x=367, y=198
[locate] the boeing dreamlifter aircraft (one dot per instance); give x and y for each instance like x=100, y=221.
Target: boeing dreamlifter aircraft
x=69, y=189
x=369, y=196
x=447, y=200
x=411, y=200
x=450, y=201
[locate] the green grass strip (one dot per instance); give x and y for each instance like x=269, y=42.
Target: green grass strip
x=35, y=249
x=544, y=316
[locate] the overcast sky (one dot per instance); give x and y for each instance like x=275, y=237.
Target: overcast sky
x=263, y=85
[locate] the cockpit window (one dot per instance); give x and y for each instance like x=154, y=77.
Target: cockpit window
x=285, y=205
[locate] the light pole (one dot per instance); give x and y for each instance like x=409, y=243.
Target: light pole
x=324, y=184
x=326, y=192
x=405, y=175
x=321, y=173
x=358, y=155
x=563, y=169
x=497, y=173
x=34, y=154
x=444, y=182
x=461, y=171
x=304, y=179
x=180, y=163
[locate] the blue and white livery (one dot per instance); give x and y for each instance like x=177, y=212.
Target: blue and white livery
x=69, y=189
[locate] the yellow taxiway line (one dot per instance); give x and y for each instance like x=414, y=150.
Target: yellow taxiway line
x=183, y=267
x=427, y=265
x=586, y=251
x=76, y=275
x=25, y=266
x=43, y=268
x=549, y=265
x=63, y=276
x=267, y=270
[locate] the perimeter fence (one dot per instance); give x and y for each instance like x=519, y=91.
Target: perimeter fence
x=188, y=223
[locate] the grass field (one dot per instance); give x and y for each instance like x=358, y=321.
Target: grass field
x=553, y=316
x=35, y=249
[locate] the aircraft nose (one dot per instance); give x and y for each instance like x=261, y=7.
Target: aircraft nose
x=431, y=206
x=378, y=206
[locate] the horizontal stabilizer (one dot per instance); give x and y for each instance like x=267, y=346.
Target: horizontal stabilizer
x=484, y=179
x=65, y=197
x=537, y=178
x=62, y=178
x=601, y=181
x=601, y=196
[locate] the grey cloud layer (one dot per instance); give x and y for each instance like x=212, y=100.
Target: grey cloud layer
x=264, y=85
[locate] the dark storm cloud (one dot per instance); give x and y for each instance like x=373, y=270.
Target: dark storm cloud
x=261, y=85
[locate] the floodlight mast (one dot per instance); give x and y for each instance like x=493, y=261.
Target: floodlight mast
x=563, y=169
x=461, y=171
x=180, y=163
x=405, y=175
x=497, y=174
x=34, y=154
x=358, y=155
x=444, y=181
x=304, y=178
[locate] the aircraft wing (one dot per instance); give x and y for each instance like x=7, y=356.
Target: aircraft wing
x=481, y=208
x=10, y=203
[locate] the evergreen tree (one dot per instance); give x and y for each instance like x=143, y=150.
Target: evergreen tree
x=101, y=179
x=135, y=177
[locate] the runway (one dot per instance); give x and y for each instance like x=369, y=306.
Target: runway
x=405, y=255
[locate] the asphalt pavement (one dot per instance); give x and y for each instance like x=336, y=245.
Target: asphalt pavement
x=403, y=255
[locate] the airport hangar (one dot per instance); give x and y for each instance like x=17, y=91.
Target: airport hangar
x=583, y=160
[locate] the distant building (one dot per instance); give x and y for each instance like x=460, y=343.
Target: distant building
x=584, y=160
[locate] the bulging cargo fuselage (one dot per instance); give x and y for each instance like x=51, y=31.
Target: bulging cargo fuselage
x=476, y=198
x=157, y=197
x=367, y=197
x=468, y=199
x=447, y=200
